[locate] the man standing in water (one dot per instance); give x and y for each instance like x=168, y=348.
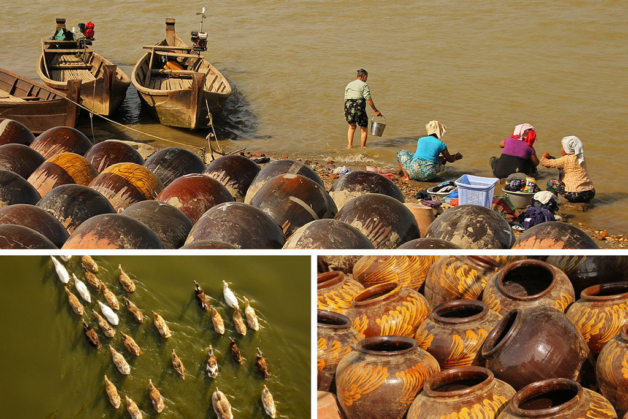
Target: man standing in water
x=357, y=94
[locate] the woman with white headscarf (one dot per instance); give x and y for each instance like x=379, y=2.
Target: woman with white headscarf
x=430, y=156
x=519, y=155
x=575, y=184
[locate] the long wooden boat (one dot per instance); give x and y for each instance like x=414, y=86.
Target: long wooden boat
x=179, y=98
x=35, y=105
x=104, y=85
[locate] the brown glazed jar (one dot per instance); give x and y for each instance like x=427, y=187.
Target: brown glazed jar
x=534, y=344
x=584, y=271
x=455, y=332
x=382, y=376
x=612, y=371
x=558, y=398
x=336, y=338
x=409, y=271
x=335, y=291
x=464, y=392
x=388, y=310
x=458, y=277
x=528, y=283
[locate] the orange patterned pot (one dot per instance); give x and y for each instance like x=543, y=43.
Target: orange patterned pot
x=612, y=372
x=409, y=271
x=62, y=169
x=61, y=140
x=335, y=291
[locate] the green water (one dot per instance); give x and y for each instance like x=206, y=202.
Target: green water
x=49, y=370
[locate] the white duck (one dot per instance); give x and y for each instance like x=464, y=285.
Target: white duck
x=82, y=289
x=65, y=258
x=269, y=403
x=111, y=316
x=63, y=274
x=230, y=297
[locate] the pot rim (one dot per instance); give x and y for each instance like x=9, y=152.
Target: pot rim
x=522, y=263
x=541, y=387
x=485, y=261
x=388, y=288
x=382, y=339
x=329, y=279
x=459, y=304
x=489, y=348
x=592, y=293
x=457, y=374
x=345, y=321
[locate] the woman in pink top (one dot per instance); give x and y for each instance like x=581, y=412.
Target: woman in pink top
x=519, y=155
x=575, y=184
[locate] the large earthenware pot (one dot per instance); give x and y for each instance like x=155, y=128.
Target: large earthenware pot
x=13, y=132
x=62, y=169
x=555, y=235
x=585, y=271
x=327, y=406
x=36, y=218
x=327, y=234
x=336, y=338
x=600, y=313
x=409, y=271
x=457, y=277
x=171, y=163
x=20, y=159
x=388, y=310
x=385, y=221
x=335, y=291
x=209, y=244
x=361, y=182
x=506, y=259
x=343, y=263
x=19, y=237
x=536, y=344
x=472, y=227
x=528, y=283
x=235, y=172
x=110, y=152
x=167, y=222
x=558, y=398
x=429, y=244
x=463, y=392
x=612, y=371
x=14, y=189
x=61, y=140
x=277, y=168
x=455, y=332
x=424, y=216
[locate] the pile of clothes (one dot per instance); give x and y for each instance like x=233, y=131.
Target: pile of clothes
x=520, y=182
x=542, y=209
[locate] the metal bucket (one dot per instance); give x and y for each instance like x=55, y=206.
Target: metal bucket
x=377, y=128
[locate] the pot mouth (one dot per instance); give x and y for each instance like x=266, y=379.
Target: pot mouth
x=501, y=333
x=330, y=320
x=387, y=345
x=606, y=292
x=458, y=382
x=460, y=311
x=546, y=397
x=376, y=293
x=486, y=261
x=329, y=279
x=526, y=280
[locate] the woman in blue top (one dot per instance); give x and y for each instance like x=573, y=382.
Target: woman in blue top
x=431, y=154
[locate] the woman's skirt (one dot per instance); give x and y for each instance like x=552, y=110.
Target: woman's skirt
x=355, y=112
x=418, y=169
x=558, y=187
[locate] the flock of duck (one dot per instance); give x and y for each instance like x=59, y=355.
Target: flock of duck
x=221, y=404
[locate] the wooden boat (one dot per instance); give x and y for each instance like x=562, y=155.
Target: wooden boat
x=104, y=85
x=179, y=98
x=35, y=105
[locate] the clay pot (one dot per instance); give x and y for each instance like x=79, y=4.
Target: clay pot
x=241, y=225
x=464, y=392
x=386, y=222
x=20, y=237
x=14, y=189
x=342, y=263
x=335, y=291
x=171, y=163
x=528, y=283
x=13, y=132
x=277, y=168
x=236, y=173
x=409, y=271
x=455, y=332
x=472, y=227
x=327, y=406
x=168, y=223
x=612, y=371
x=361, y=182
x=61, y=140
x=600, y=314
x=124, y=184
x=336, y=338
x=209, y=244
x=558, y=398
x=536, y=344
x=37, y=219
x=113, y=231
x=110, y=152
x=20, y=159
x=585, y=271
x=428, y=244
x=74, y=204
x=327, y=234
x=423, y=215
x=388, y=310
x=457, y=277
x=381, y=377
x=62, y=169
x=555, y=235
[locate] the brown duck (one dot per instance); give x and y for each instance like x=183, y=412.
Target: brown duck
x=161, y=325
x=222, y=407
x=112, y=392
x=155, y=396
x=240, y=326
x=261, y=364
x=212, y=363
x=120, y=362
x=91, y=335
x=178, y=365
x=130, y=344
x=235, y=351
x=76, y=305
x=135, y=312
x=104, y=325
x=132, y=408
x=251, y=317
x=89, y=264
x=219, y=325
x=200, y=296
x=91, y=280
x=126, y=282
x=110, y=297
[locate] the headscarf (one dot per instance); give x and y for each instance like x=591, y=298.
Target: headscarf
x=520, y=129
x=573, y=145
x=435, y=127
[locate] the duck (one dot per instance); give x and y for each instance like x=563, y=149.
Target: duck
x=135, y=312
x=76, y=305
x=130, y=344
x=200, y=296
x=178, y=365
x=62, y=273
x=126, y=282
x=112, y=392
x=212, y=363
x=269, y=403
x=235, y=351
x=109, y=314
x=155, y=396
x=89, y=264
x=261, y=364
x=91, y=280
x=222, y=407
x=120, y=362
x=219, y=325
x=230, y=297
x=251, y=317
x=110, y=297
x=106, y=328
x=239, y=322
x=82, y=289
x=161, y=325
x=132, y=408
x=91, y=335
x=65, y=258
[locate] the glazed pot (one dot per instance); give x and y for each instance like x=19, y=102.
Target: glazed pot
x=361, y=182
x=423, y=215
x=528, y=283
x=327, y=234
x=585, y=271
x=341, y=263
x=112, y=231
x=14, y=189
x=62, y=169
x=276, y=168
x=428, y=244
x=409, y=271
x=327, y=406
x=457, y=277
x=382, y=376
x=13, y=132
x=20, y=159
x=535, y=344
x=110, y=152
x=37, y=219
x=336, y=338
x=209, y=244
x=455, y=332
x=555, y=235
x=335, y=291
x=171, y=163
x=558, y=398
x=61, y=140
x=612, y=371
x=19, y=237
x=600, y=313
x=388, y=310
x=234, y=172
x=463, y=392
x=167, y=222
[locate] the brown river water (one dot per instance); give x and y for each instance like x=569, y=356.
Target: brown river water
x=479, y=67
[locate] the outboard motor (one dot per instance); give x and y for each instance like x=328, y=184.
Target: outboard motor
x=199, y=38
x=87, y=29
